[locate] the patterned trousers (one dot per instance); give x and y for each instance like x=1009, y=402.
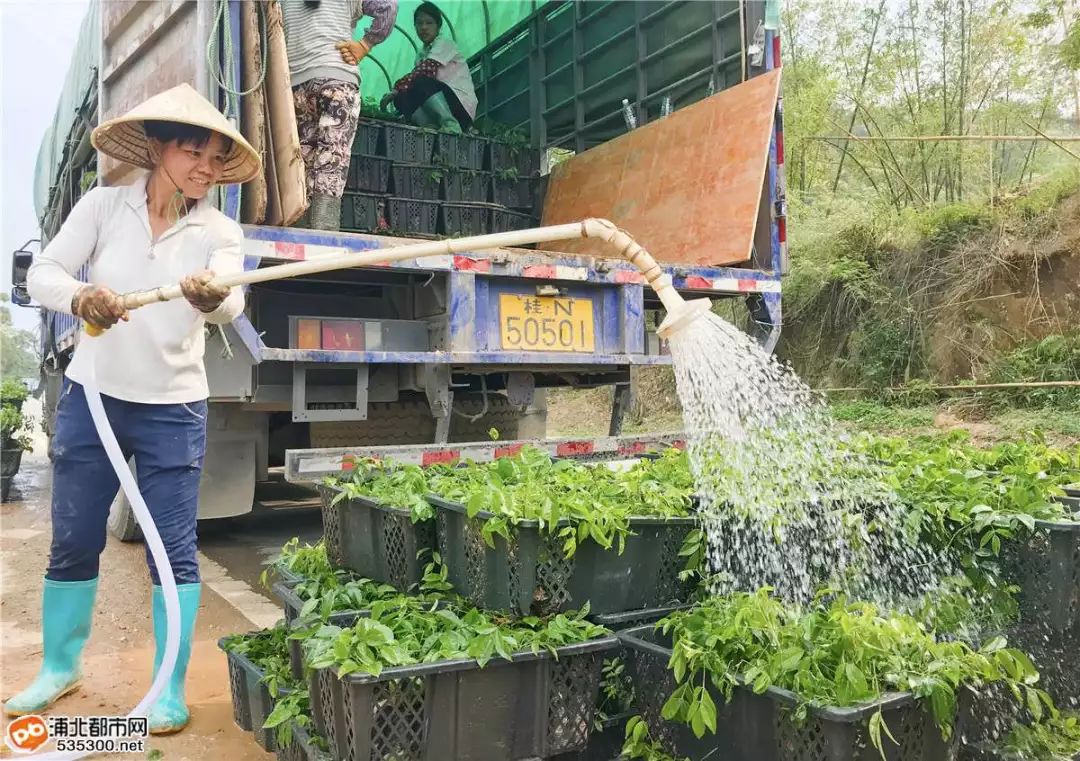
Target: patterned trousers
x=327, y=112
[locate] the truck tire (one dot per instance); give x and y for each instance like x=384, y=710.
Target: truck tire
x=409, y=422
x=122, y=523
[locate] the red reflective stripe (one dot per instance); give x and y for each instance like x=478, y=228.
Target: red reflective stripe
x=443, y=455
x=679, y=444
x=468, y=264
x=509, y=451
x=347, y=463
x=294, y=251
x=781, y=229
x=747, y=284
x=779, y=146
x=546, y=271
x=776, y=51
x=636, y=448
x=570, y=448
x=628, y=276
x=697, y=281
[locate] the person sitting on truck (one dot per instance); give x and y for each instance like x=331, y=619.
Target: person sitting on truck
x=149, y=371
x=439, y=91
x=323, y=60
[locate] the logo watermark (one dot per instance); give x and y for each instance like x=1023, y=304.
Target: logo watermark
x=80, y=734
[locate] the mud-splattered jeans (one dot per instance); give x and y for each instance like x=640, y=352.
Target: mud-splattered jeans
x=327, y=112
x=167, y=441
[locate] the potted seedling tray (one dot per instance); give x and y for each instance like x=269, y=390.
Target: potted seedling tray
x=368, y=174
x=419, y=181
x=368, y=138
x=301, y=747
x=460, y=151
x=465, y=186
x=402, y=142
x=251, y=700
x=524, y=160
x=414, y=216
x=1045, y=565
x=466, y=219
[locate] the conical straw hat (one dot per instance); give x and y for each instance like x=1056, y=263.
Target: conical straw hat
x=123, y=138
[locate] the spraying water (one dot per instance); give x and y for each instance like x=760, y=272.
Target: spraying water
x=784, y=502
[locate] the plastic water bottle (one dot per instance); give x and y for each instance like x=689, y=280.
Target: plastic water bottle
x=628, y=114
x=665, y=106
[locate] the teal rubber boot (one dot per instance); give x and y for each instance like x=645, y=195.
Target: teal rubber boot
x=170, y=712
x=438, y=110
x=67, y=608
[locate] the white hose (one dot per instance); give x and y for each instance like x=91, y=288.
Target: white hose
x=151, y=536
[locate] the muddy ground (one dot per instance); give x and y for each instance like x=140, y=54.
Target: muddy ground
x=119, y=655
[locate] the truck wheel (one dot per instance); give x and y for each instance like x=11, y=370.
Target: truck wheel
x=122, y=523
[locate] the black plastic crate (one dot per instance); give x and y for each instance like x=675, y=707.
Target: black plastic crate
x=331, y=522
x=402, y=142
x=460, y=151
x=605, y=742
x=754, y=727
x=1045, y=565
x=505, y=220
x=634, y=618
x=466, y=219
x=465, y=186
x=513, y=192
x=251, y=700
x=410, y=215
x=526, y=160
x=301, y=747
x=368, y=174
x=419, y=181
x=368, y=138
x=381, y=543
x=532, y=575
x=363, y=212
x=535, y=705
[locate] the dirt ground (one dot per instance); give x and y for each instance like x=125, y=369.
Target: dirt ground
x=119, y=656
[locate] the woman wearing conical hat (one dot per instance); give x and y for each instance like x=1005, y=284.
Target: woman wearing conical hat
x=151, y=377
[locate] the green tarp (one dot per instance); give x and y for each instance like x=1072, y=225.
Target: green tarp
x=472, y=24
x=82, y=72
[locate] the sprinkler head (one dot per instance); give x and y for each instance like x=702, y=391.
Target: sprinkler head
x=682, y=316
x=680, y=312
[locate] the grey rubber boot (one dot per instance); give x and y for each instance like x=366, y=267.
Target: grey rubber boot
x=325, y=213
x=438, y=110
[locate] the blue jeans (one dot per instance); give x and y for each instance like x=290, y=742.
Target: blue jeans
x=167, y=441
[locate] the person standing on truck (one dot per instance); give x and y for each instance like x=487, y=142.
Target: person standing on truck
x=323, y=61
x=149, y=371
x=439, y=91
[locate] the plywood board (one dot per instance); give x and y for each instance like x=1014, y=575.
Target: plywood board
x=291, y=179
x=687, y=186
x=253, y=126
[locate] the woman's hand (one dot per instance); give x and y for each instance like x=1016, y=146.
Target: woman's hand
x=352, y=51
x=98, y=306
x=201, y=293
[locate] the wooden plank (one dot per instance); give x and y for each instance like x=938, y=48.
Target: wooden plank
x=291, y=174
x=687, y=187
x=253, y=125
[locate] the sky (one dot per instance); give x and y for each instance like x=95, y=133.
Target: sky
x=36, y=38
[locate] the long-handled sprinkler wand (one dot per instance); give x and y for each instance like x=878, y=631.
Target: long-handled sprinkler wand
x=680, y=313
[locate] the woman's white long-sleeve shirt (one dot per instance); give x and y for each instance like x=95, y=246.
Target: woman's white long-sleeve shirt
x=157, y=357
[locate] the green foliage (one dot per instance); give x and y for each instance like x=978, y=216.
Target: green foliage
x=269, y=651
x=946, y=226
x=1054, y=358
x=973, y=500
x=1056, y=738
x=402, y=486
x=616, y=689
x=18, y=348
x=310, y=561
x=872, y=414
x=15, y=427
x=837, y=653
x=574, y=501
x=399, y=634
x=639, y=745
x=370, y=109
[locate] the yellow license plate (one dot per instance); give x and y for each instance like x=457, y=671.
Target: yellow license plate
x=546, y=323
